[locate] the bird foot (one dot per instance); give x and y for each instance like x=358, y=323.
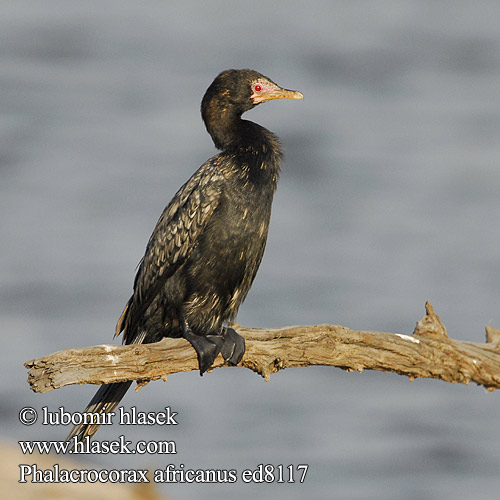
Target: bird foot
x=234, y=346
x=207, y=347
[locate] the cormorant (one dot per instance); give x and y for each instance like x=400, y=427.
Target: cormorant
x=208, y=243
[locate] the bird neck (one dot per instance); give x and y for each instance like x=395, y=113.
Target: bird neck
x=231, y=134
x=257, y=153
x=224, y=127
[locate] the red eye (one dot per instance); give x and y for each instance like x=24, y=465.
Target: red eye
x=258, y=88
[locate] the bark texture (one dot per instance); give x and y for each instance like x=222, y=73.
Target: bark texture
x=429, y=352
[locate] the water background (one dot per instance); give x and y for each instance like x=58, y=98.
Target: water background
x=389, y=197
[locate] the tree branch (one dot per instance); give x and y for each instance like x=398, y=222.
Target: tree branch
x=429, y=352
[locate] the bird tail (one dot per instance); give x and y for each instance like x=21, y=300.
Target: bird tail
x=108, y=397
x=105, y=400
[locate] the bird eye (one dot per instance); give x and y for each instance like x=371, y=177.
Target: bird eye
x=257, y=88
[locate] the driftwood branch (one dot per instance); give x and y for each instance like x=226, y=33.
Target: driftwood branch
x=429, y=352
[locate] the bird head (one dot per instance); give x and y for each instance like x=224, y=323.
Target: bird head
x=239, y=90
x=231, y=94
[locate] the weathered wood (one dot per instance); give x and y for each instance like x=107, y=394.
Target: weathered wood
x=429, y=352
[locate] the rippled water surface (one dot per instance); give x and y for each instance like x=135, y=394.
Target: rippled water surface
x=389, y=197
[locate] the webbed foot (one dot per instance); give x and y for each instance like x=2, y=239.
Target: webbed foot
x=233, y=347
x=230, y=344
x=207, y=348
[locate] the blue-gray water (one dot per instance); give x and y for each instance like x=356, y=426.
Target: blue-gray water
x=389, y=197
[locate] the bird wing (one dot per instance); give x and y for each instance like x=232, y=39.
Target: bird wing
x=174, y=238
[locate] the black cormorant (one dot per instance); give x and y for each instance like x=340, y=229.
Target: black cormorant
x=208, y=243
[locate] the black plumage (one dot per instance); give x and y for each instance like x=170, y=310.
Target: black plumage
x=208, y=243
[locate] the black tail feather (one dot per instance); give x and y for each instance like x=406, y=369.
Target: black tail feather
x=105, y=400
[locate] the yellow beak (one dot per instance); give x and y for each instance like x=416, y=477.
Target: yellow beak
x=277, y=93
